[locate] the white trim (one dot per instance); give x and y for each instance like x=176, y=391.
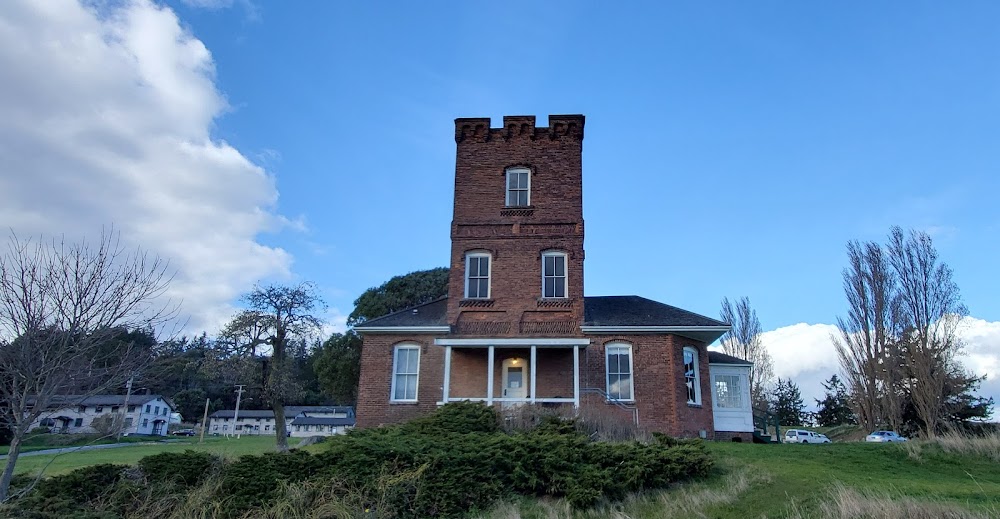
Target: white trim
x=505, y=399
x=565, y=276
x=697, y=374
x=506, y=185
x=403, y=329
x=534, y=360
x=489, y=376
x=515, y=341
x=489, y=273
x=650, y=329
x=631, y=371
x=576, y=377
x=447, y=373
x=392, y=385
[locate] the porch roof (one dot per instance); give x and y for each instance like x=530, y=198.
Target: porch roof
x=717, y=357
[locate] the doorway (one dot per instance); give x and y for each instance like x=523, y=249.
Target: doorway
x=514, y=376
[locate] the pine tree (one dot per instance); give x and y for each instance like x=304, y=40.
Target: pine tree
x=787, y=403
x=835, y=408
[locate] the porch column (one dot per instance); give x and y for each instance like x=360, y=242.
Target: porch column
x=489, y=377
x=576, y=377
x=447, y=373
x=534, y=356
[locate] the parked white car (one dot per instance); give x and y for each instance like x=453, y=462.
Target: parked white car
x=802, y=436
x=884, y=437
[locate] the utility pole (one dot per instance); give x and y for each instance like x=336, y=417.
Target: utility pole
x=236, y=415
x=128, y=393
x=204, y=421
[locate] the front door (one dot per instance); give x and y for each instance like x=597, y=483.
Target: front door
x=515, y=378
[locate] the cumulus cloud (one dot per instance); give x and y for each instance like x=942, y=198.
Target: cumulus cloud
x=107, y=117
x=806, y=354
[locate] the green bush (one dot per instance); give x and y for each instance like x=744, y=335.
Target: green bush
x=68, y=495
x=449, y=464
x=186, y=469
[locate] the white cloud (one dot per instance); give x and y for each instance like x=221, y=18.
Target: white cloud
x=805, y=353
x=106, y=120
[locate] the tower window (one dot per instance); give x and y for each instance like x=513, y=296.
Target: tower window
x=553, y=274
x=518, y=187
x=477, y=276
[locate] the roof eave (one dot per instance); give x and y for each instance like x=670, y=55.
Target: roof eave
x=402, y=329
x=706, y=334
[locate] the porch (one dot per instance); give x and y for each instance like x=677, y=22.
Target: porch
x=512, y=371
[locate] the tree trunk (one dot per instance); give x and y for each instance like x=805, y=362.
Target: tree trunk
x=8, y=471
x=279, y=423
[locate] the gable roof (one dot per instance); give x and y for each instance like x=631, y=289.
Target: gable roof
x=717, y=357
x=634, y=314
x=291, y=411
x=62, y=401
x=432, y=316
x=311, y=420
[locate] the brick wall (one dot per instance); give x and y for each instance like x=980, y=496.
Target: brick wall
x=374, y=405
x=517, y=237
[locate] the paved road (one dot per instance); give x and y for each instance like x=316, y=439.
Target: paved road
x=87, y=448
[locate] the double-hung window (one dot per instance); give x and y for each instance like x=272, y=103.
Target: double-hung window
x=477, y=276
x=619, y=361
x=518, y=187
x=405, y=372
x=553, y=274
x=692, y=379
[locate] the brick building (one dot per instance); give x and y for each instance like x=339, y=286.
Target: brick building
x=516, y=327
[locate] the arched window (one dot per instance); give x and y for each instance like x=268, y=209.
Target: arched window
x=554, y=281
x=619, y=366
x=518, y=187
x=692, y=379
x=405, y=372
x=477, y=275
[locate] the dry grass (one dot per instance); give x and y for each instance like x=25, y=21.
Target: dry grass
x=986, y=446
x=689, y=500
x=849, y=503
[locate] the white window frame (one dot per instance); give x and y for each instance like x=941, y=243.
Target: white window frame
x=508, y=191
x=565, y=276
x=631, y=370
x=718, y=401
x=489, y=275
x=396, y=374
x=697, y=374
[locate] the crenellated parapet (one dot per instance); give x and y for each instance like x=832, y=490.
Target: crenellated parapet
x=477, y=129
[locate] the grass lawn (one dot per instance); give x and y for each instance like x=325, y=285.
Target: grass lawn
x=799, y=480
x=39, y=442
x=129, y=455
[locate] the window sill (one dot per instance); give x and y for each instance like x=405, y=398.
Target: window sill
x=617, y=401
x=695, y=405
x=403, y=402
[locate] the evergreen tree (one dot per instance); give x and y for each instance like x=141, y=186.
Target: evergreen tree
x=787, y=403
x=835, y=408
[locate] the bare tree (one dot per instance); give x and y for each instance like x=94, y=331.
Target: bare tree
x=275, y=316
x=867, y=334
x=63, y=309
x=743, y=341
x=930, y=309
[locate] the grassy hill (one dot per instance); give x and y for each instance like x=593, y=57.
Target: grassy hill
x=792, y=481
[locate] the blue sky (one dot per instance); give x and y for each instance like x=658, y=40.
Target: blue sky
x=732, y=148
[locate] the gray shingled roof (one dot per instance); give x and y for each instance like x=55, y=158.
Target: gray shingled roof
x=434, y=313
x=715, y=357
x=639, y=311
x=59, y=401
x=310, y=420
x=290, y=411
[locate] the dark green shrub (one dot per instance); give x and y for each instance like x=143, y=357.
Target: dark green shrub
x=186, y=468
x=458, y=417
x=253, y=480
x=68, y=495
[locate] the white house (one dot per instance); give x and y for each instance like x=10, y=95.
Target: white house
x=731, y=406
x=299, y=421
x=143, y=414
